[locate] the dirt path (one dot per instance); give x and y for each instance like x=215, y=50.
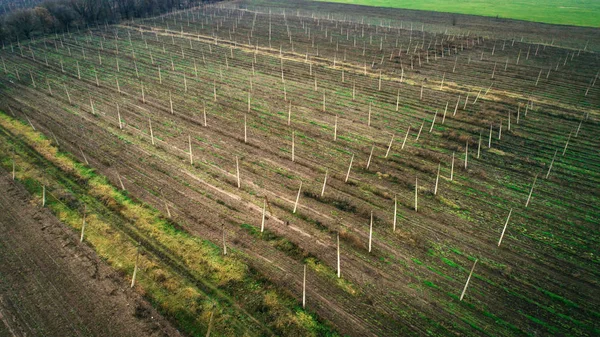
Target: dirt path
x=50, y=285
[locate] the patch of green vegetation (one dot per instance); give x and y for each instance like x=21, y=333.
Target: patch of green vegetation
x=327, y=272
x=565, y=12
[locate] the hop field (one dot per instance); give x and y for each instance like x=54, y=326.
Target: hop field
x=393, y=156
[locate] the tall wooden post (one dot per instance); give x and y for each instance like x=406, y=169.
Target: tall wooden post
x=237, y=168
x=468, y=279
x=437, y=179
x=452, y=168
x=371, y=231
x=466, y=154
x=151, y=133
x=405, y=138
x=349, y=168
x=416, y=193
x=567, y=143
x=293, y=145
x=370, y=155
x=335, y=128
x=395, y=212
x=433, y=122
x=479, y=146
x=82, y=225
x=304, y=289
x=339, y=271
x=551, y=163
x=135, y=269
x=224, y=244
x=531, y=191
x=245, y=128
x=297, y=197
x=262, y=224
x=504, y=229
x=324, y=183
x=190, y=145
x=389, y=147
x=420, y=129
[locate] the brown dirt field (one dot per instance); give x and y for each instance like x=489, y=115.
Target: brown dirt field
x=51, y=285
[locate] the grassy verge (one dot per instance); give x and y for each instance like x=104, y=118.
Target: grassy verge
x=185, y=277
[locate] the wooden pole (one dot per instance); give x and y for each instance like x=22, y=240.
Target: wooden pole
x=437, y=179
x=68, y=96
x=456, y=106
x=293, y=145
x=567, y=143
x=531, y=191
x=349, y=168
x=151, y=133
x=339, y=271
x=245, y=128
x=224, y=244
x=433, y=122
x=43, y=195
x=466, y=154
x=551, y=163
x=504, y=229
x=371, y=231
x=420, y=129
x=335, y=128
x=479, y=146
x=135, y=269
x=405, y=138
x=445, y=110
x=468, y=279
x=237, y=167
x=416, y=193
x=82, y=225
x=304, y=289
x=395, y=212
x=324, y=183
x=370, y=155
x=389, y=147
x=297, y=198
x=119, y=117
x=452, y=168
x=212, y=315
x=262, y=224
x=120, y=181
x=190, y=145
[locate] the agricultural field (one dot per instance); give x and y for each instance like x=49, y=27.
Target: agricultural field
x=298, y=168
x=570, y=12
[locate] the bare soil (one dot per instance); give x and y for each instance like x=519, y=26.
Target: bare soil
x=52, y=285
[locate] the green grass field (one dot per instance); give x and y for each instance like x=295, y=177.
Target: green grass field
x=565, y=12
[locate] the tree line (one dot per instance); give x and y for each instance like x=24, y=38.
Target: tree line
x=61, y=15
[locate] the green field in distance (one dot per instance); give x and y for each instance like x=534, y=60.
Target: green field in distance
x=565, y=12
